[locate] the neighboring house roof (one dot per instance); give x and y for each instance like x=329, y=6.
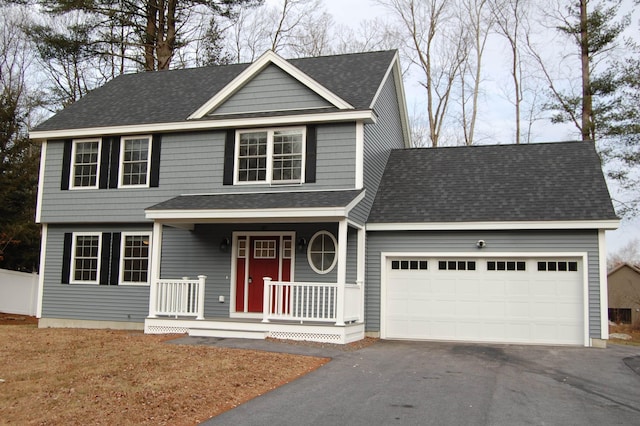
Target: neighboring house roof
x=624, y=265
x=172, y=96
x=533, y=182
x=236, y=204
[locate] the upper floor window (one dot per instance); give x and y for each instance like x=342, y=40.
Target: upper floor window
x=270, y=156
x=135, y=153
x=86, y=161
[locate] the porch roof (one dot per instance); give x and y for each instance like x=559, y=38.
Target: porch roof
x=262, y=205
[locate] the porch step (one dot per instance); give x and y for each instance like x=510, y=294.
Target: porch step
x=229, y=334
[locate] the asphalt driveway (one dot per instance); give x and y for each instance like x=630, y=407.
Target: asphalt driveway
x=426, y=383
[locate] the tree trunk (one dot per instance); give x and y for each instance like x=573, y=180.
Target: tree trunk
x=151, y=32
x=587, y=107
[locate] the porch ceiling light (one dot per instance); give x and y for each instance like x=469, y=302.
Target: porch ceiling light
x=224, y=245
x=302, y=244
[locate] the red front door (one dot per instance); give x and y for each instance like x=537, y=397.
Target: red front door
x=259, y=257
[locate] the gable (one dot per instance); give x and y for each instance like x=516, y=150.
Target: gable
x=271, y=90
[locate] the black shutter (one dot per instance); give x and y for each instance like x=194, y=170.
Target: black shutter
x=66, y=258
x=105, y=157
x=114, y=168
x=310, y=162
x=115, y=257
x=66, y=165
x=229, y=157
x=154, y=173
x=104, y=258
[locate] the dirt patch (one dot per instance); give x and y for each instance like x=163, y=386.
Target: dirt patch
x=16, y=319
x=629, y=329
x=73, y=377
x=354, y=346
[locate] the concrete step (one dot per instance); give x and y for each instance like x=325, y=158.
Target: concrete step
x=229, y=334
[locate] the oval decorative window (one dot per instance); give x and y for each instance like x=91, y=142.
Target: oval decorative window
x=322, y=252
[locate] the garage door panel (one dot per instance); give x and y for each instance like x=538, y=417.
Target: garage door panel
x=521, y=305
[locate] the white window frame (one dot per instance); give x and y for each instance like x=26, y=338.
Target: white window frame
x=123, y=140
x=335, y=258
x=123, y=240
x=72, y=269
x=270, y=156
x=72, y=171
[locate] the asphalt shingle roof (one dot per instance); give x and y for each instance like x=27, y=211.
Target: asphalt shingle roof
x=172, y=96
x=534, y=182
x=262, y=201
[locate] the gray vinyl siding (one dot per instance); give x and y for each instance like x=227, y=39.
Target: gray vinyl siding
x=190, y=163
x=89, y=301
x=271, y=90
x=497, y=241
x=379, y=139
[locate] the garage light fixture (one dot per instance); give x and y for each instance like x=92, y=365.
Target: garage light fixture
x=481, y=244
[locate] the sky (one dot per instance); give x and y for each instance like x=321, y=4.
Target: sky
x=499, y=118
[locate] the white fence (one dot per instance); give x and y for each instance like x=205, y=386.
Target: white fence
x=18, y=292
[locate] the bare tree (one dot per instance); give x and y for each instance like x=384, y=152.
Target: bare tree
x=435, y=48
x=475, y=22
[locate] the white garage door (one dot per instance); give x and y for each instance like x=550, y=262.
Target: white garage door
x=484, y=299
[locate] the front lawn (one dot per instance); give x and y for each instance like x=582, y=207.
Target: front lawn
x=74, y=377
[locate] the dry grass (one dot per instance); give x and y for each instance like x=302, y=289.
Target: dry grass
x=631, y=330
x=73, y=377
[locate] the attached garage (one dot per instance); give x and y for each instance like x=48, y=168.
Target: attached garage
x=523, y=299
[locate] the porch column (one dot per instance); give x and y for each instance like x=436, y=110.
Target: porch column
x=361, y=268
x=156, y=251
x=342, y=270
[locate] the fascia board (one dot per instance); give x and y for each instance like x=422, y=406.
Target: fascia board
x=368, y=116
x=269, y=57
x=333, y=212
x=469, y=226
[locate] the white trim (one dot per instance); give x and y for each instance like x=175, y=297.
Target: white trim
x=384, y=256
x=72, y=163
x=335, y=257
x=368, y=116
x=123, y=238
x=234, y=264
x=604, y=292
x=270, y=131
x=72, y=269
x=359, y=155
x=231, y=114
x=43, y=159
x=43, y=259
x=289, y=213
x=464, y=226
x=123, y=139
x=269, y=57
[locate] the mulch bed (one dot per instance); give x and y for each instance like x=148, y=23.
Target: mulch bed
x=17, y=319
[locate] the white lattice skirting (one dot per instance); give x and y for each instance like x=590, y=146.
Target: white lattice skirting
x=165, y=329
x=309, y=337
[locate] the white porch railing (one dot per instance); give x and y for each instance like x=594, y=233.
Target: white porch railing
x=179, y=297
x=302, y=301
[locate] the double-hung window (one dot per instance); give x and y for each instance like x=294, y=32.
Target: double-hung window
x=134, y=266
x=135, y=153
x=86, y=258
x=86, y=162
x=273, y=156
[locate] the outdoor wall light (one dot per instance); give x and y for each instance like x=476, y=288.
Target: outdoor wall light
x=302, y=243
x=481, y=244
x=224, y=245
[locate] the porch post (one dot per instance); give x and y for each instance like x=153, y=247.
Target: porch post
x=362, y=240
x=265, y=299
x=156, y=250
x=342, y=270
x=201, y=281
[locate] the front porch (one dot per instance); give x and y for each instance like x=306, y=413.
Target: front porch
x=318, y=312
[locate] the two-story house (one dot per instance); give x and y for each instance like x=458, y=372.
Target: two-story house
x=282, y=198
